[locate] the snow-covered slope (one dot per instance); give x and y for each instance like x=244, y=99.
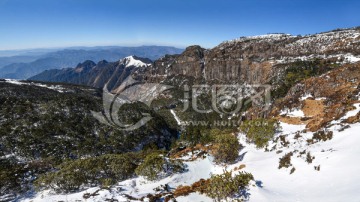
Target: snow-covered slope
x=139, y=187
x=58, y=88
x=337, y=179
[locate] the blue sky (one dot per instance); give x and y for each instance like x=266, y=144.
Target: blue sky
x=64, y=23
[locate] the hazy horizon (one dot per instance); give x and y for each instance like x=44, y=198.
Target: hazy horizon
x=56, y=48
x=40, y=51
x=60, y=24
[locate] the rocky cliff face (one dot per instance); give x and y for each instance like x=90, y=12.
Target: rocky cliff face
x=255, y=59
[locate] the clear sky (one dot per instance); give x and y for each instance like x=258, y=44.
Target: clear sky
x=64, y=23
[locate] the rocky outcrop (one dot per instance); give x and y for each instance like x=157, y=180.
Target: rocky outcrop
x=255, y=60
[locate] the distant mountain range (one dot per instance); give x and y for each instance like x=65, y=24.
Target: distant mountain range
x=96, y=75
x=28, y=66
x=4, y=61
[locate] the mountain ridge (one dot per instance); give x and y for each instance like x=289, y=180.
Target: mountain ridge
x=253, y=60
x=96, y=75
x=71, y=57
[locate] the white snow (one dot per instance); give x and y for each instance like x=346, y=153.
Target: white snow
x=52, y=87
x=348, y=58
x=325, y=41
x=131, y=61
x=289, y=128
x=48, y=196
x=306, y=96
x=13, y=81
x=266, y=37
x=293, y=113
x=196, y=197
x=351, y=58
x=352, y=112
x=337, y=180
x=176, y=117
x=139, y=187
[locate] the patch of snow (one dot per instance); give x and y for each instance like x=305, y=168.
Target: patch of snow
x=196, y=197
x=266, y=37
x=13, y=81
x=293, y=113
x=348, y=58
x=52, y=87
x=176, y=117
x=131, y=61
x=351, y=58
x=352, y=112
x=306, y=97
x=46, y=196
x=289, y=128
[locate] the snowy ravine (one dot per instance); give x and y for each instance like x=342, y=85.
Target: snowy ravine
x=175, y=117
x=337, y=180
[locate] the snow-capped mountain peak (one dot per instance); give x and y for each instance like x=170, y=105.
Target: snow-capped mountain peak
x=132, y=60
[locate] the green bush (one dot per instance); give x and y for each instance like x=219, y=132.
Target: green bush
x=285, y=161
x=223, y=186
x=299, y=71
x=15, y=176
x=320, y=136
x=193, y=135
x=228, y=148
x=309, y=158
x=156, y=166
x=260, y=131
x=103, y=170
x=292, y=170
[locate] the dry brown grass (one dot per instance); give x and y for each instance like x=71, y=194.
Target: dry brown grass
x=183, y=191
x=353, y=119
x=313, y=111
x=290, y=120
x=203, y=150
x=313, y=108
x=339, y=87
x=198, y=186
x=242, y=166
